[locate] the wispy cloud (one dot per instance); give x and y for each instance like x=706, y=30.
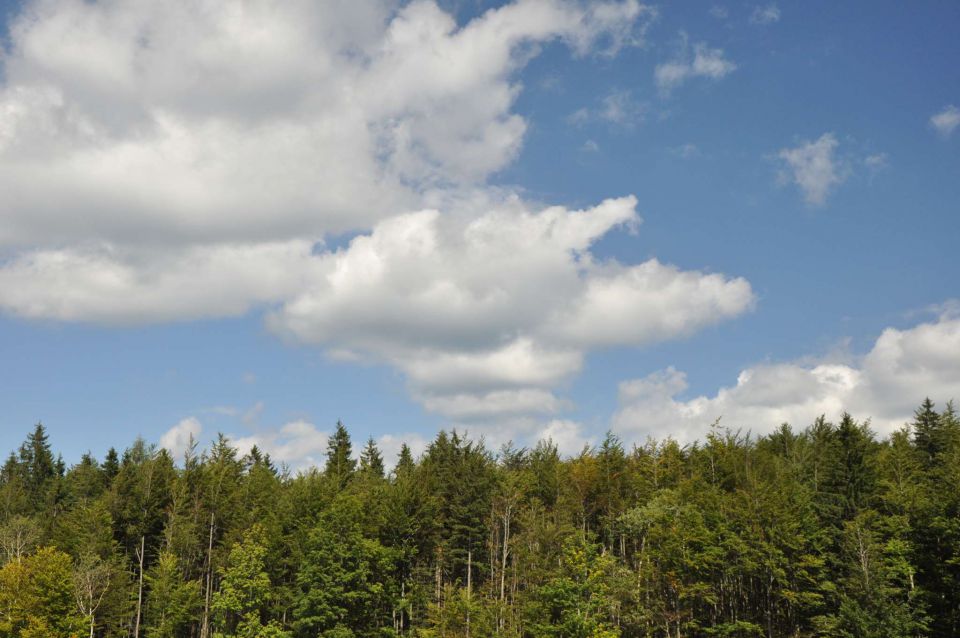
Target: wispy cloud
x=719, y=12
x=686, y=151
x=946, y=121
x=618, y=107
x=877, y=162
x=765, y=15
x=814, y=167
x=703, y=62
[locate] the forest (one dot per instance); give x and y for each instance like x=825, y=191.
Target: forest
x=828, y=530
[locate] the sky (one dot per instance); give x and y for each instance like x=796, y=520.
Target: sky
x=523, y=220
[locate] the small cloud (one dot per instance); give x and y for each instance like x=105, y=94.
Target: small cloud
x=590, y=147
x=620, y=108
x=617, y=107
x=765, y=15
x=177, y=439
x=719, y=12
x=686, y=151
x=813, y=167
x=877, y=162
x=946, y=120
x=550, y=83
x=579, y=117
x=249, y=378
x=705, y=63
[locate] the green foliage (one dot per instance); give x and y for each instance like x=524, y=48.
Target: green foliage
x=344, y=579
x=824, y=531
x=245, y=591
x=340, y=463
x=37, y=597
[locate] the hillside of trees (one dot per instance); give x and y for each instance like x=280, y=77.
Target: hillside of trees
x=825, y=531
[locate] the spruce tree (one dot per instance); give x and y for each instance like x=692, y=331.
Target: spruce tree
x=340, y=462
x=371, y=461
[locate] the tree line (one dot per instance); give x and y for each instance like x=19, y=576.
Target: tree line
x=825, y=531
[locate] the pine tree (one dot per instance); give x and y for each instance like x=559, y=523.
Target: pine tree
x=371, y=461
x=928, y=431
x=405, y=462
x=340, y=462
x=39, y=466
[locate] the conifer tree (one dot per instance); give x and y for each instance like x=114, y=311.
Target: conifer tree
x=371, y=461
x=340, y=462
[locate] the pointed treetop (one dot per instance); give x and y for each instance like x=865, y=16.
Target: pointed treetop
x=371, y=461
x=340, y=463
x=405, y=462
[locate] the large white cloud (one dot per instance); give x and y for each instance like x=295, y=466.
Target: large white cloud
x=120, y=285
x=885, y=385
x=164, y=161
x=235, y=121
x=486, y=314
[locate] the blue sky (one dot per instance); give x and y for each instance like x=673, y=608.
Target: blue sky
x=799, y=172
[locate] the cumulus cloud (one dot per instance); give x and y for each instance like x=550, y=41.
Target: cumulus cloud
x=177, y=440
x=814, y=167
x=186, y=122
x=704, y=62
x=486, y=314
x=765, y=15
x=885, y=385
x=176, y=161
x=117, y=285
x=946, y=120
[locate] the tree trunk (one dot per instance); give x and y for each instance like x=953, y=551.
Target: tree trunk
x=469, y=586
x=136, y=625
x=205, y=628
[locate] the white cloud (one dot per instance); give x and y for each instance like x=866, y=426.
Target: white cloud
x=175, y=161
x=109, y=284
x=178, y=122
x=177, y=439
x=486, y=314
x=765, y=15
x=590, y=146
x=620, y=108
x=877, y=161
x=617, y=107
x=946, y=120
x=686, y=151
x=704, y=63
x=885, y=385
x=719, y=12
x=814, y=168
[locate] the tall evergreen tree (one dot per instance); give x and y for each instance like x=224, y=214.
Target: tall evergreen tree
x=340, y=462
x=371, y=461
